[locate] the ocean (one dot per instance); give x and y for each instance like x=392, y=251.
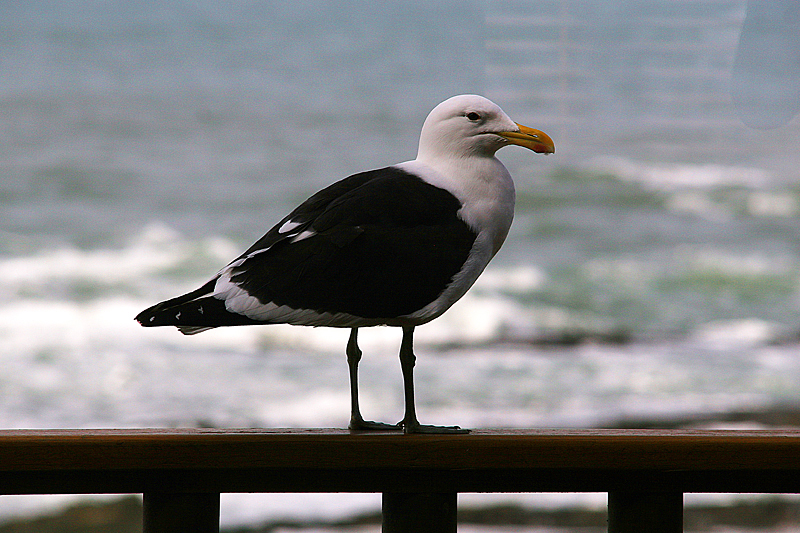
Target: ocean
x=652, y=271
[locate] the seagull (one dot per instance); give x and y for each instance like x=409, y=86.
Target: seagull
x=396, y=246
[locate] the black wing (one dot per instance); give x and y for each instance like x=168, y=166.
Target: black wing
x=384, y=248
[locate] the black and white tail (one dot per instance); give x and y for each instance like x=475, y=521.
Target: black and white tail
x=192, y=312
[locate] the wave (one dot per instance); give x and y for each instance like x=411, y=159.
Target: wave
x=73, y=298
x=666, y=176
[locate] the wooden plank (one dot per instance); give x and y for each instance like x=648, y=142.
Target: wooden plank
x=251, y=460
x=26, y=450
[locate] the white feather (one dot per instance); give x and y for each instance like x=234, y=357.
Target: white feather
x=303, y=235
x=288, y=226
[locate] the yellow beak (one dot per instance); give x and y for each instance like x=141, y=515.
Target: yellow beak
x=529, y=138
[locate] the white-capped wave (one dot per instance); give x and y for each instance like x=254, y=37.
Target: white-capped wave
x=741, y=332
x=156, y=250
x=668, y=177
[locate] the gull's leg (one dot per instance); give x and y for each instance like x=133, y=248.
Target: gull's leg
x=407, y=361
x=353, y=358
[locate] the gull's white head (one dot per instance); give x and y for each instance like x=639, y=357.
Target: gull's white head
x=469, y=125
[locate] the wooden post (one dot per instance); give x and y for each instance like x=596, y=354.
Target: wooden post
x=168, y=512
x=640, y=511
x=419, y=513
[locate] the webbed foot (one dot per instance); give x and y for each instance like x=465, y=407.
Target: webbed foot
x=359, y=424
x=417, y=428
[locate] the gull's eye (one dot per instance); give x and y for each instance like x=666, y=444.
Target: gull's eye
x=473, y=116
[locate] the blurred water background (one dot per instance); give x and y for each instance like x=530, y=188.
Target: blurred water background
x=652, y=271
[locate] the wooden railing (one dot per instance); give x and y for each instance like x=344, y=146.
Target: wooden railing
x=181, y=472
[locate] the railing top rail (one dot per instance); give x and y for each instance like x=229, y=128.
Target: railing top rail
x=322, y=460
x=482, y=449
